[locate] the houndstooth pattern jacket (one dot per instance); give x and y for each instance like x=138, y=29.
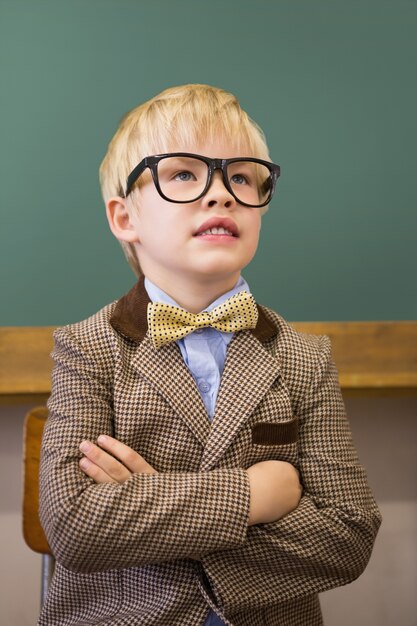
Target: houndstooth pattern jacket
x=160, y=549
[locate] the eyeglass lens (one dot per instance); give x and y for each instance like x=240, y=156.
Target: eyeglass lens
x=185, y=178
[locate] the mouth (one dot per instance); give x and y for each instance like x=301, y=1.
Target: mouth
x=218, y=226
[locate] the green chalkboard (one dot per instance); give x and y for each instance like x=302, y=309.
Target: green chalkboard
x=332, y=83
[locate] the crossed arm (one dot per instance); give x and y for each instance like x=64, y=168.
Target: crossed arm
x=292, y=548
x=275, y=488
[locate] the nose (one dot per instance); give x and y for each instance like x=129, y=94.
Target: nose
x=217, y=194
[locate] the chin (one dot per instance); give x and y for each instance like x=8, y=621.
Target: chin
x=218, y=273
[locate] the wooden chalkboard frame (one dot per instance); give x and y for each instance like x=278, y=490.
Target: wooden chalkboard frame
x=373, y=358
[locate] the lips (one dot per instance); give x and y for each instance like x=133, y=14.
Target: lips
x=218, y=226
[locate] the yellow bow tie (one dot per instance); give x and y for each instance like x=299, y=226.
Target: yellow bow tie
x=168, y=323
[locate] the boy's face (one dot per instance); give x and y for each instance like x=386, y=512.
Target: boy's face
x=175, y=243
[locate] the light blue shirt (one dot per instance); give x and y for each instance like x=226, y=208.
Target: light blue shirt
x=204, y=353
x=204, y=350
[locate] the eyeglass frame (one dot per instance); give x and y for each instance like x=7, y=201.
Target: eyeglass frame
x=151, y=162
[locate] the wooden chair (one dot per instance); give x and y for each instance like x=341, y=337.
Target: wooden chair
x=32, y=529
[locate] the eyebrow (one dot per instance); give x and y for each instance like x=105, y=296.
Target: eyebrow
x=179, y=159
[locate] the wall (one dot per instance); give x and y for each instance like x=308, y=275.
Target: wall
x=385, y=432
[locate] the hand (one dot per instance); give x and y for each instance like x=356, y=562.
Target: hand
x=111, y=461
x=275, y=491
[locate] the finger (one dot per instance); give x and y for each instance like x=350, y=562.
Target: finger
x=95, y=472
x=129, y=457
x=111, y=466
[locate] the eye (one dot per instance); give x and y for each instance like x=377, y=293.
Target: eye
x=239, y=179
x=184, y=176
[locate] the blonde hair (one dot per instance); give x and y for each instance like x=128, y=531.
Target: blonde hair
x=175, y=119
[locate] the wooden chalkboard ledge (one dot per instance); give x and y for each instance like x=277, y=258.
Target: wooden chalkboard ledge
x=373, y=358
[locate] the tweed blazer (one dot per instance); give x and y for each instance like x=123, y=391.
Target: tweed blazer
x=162, y=549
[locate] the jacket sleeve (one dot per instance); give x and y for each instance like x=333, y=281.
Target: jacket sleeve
x=149, y=518
x=327, y=541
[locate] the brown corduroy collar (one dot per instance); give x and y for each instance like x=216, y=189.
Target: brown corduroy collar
x=129, y=318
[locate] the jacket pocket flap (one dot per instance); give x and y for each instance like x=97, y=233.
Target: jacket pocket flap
x=273, y=433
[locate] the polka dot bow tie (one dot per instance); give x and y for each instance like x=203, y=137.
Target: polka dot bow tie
x=168, y=323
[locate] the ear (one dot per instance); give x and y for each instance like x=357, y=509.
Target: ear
x=119, y=220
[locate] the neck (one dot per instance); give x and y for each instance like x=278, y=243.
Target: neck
x=195, y=296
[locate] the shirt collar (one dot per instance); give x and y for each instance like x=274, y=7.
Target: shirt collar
x=130, y=320
x=156, y=294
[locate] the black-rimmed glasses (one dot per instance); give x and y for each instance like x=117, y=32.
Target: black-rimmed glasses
x=184, y=177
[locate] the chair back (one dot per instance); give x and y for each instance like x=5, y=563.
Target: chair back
x=32, y=439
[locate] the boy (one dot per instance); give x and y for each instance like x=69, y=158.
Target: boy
x=196, y=470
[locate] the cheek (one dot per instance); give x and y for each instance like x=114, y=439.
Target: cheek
x=255, y=230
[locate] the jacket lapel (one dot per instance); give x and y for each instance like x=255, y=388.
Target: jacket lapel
x=164, y=369
x=247, y=360
x=167, y=373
